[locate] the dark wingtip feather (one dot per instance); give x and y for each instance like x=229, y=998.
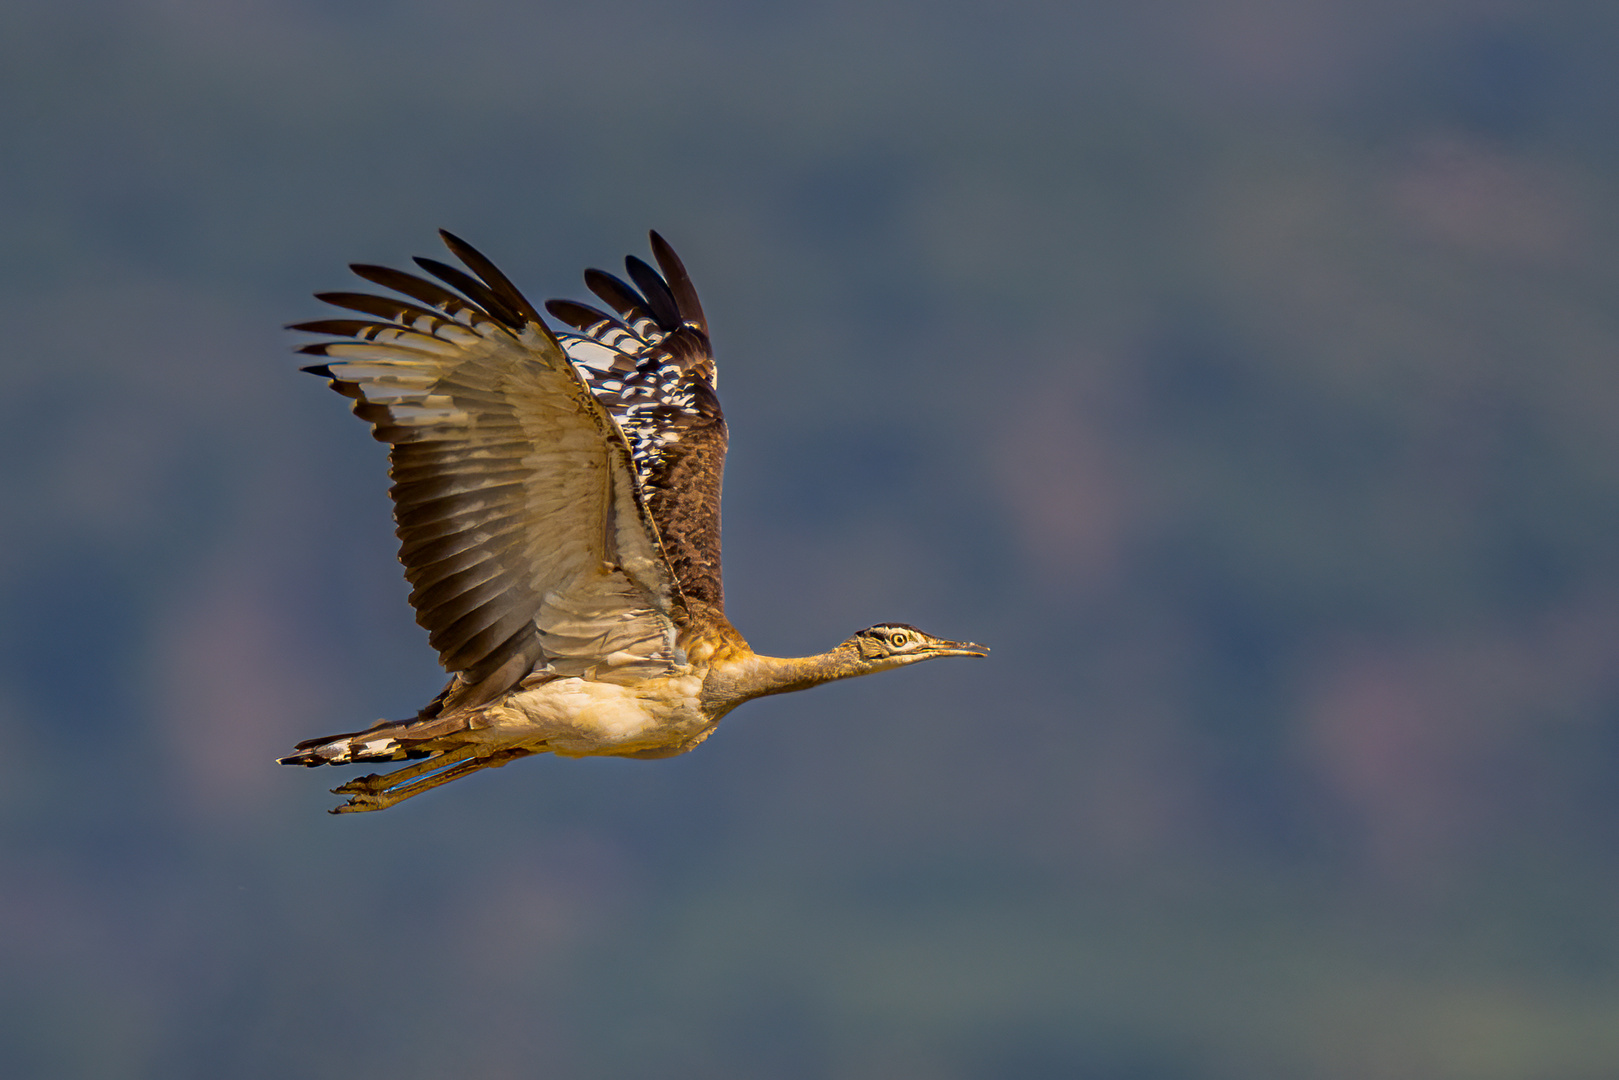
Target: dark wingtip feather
x=323, y=370
x=313, y=350
x=557, y=307
x=579, y=316
x=384, y=307
x=616, y=292
x=409, y=284
x=498, y=282
x=474, y=290
x=674, y=271
x=342, y=299
x=342, y=327
x=658, y=297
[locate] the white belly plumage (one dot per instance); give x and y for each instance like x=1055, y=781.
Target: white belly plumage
x=578, y=717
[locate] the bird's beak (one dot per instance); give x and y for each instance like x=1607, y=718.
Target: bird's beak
x=957, y=648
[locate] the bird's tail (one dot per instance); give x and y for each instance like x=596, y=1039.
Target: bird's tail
x=386, y=740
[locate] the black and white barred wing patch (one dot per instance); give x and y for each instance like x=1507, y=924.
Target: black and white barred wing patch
x=648, y=360
x=522, y=525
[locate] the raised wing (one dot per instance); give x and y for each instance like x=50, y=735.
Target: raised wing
x=651, y=365
x=522, y=523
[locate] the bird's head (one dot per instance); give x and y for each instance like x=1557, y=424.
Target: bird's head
x=888, y=645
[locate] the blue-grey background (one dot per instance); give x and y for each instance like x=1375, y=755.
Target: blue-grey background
x=1245, y=372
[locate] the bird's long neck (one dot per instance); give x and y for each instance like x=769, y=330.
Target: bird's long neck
x=731, y=683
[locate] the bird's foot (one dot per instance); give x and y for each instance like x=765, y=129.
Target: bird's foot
x=376, y=792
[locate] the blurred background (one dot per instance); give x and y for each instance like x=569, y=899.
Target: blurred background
x=1243, y=371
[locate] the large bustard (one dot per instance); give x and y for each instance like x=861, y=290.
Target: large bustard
x=557, y=496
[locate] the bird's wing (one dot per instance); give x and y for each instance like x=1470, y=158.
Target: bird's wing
x=651, y=365
x=522, y=522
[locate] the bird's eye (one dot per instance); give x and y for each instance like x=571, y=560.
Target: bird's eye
x=898, y=640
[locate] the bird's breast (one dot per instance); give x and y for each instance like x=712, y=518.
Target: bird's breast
x=580, y=717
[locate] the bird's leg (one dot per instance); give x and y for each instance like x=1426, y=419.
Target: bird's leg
x=376, y=783
x=381, y=797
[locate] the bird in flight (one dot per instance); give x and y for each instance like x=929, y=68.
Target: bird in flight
x=557, y=497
